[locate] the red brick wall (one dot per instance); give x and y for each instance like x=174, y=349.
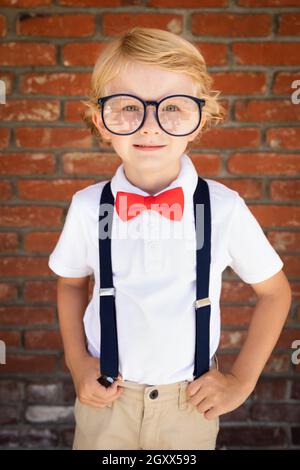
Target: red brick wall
x=47, y=54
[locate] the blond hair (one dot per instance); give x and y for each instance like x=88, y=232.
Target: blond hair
x=164, y=49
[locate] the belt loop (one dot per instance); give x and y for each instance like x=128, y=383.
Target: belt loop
x=182, y=403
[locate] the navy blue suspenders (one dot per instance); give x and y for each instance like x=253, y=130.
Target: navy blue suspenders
x=109, y=360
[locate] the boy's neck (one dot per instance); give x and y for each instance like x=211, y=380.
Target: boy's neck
x=152, y=183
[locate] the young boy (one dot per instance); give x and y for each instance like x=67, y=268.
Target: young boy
x=156, y=323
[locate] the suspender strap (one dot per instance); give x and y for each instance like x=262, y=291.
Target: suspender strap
x=203, y=258
x=109, y=340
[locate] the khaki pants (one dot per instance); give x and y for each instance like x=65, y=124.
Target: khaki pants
x=145, y=417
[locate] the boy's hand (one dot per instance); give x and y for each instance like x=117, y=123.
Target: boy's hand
x=88, y=390
x=215, y=393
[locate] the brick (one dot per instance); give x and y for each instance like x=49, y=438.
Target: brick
x=295, y=431
x=239, y=414
x=43, y=339
x=285, y=412
x=33, y=290
x=214, y=53
x=73, y=111
x=231, y=25
x=231, y=138
x=266, y=111
x=291, y=266
x=40, y=242
x=295, y=286
x=286, y=137
x=8, y=242
x=295, y=393
x=27, y=53
x=278, y=363
x=5, y=190
x=12, y=339
x=270, y=389
x=268, y=53
x=248, y=435
x=8, y=78
x=24, y=163
x=52, y=137
x=9, y=438
x=68, y=392
x=268, y=3
x=4, y=137
x=57, y=190
x=282, y=83
x=285, y=190
x=285, y=241
x=232, y=315
x=247, y=188
x=116, y=23
x=56, y=414
x=24, y=266
x=68, y=437
x=29, y=364
x=90, y=163
x=30, y=216
x=289, y=24
x=81, y=53
x=43, y=392
x=39, y=438
x=236, y=292
x=8, y=291
x=11, y=390
x=30, y=110
x=43, y=24
x=266, y=163
x=207, y=164
x=187, y=3
x=14, y=315
x=3, y=28
x=9, y=414
x=95, y=3
x=232, y=339
x=25, y=3
x=287, y=336
x=270, y=215
x=240, y=83
x=71, y=84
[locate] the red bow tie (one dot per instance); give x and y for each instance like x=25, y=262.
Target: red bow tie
x=169, y=203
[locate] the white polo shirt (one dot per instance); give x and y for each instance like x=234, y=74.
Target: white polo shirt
x=154, y=272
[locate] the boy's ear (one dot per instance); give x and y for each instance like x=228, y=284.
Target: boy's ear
x=97, y=120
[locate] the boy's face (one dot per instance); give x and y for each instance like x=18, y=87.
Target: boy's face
x=149, y=82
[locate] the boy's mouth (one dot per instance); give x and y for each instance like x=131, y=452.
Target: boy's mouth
x=149, y=147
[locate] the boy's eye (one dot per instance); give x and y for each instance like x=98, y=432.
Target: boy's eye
x=172, y=106
x=131, y=108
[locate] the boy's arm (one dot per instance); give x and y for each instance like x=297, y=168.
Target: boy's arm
x=270, y=313
x=72, y=300
x=215, y=393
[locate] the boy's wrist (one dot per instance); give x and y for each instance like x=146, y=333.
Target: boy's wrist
x=246, y=383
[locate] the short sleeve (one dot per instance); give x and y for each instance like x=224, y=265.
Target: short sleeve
x=252, y=256
x=69, y=257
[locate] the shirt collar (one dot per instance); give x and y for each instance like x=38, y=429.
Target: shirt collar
x=187, y=179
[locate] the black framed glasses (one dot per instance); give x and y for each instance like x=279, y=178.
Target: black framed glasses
x=177, y=115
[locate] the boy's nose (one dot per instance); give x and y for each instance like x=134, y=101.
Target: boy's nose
x=150, y=123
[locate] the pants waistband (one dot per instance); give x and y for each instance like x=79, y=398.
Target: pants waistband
x=156, y=394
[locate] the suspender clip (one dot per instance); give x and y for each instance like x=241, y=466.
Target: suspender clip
x=202, y=302
x=107, y=291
